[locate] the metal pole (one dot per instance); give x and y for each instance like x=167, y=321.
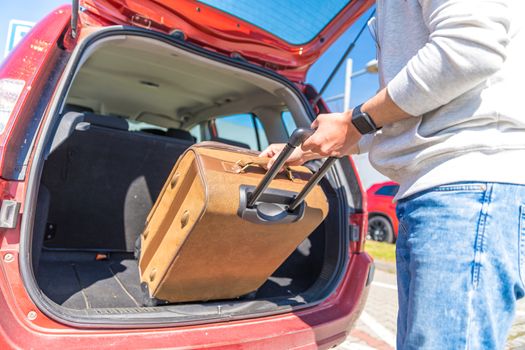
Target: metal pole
x=334, y=98
x=348, y=84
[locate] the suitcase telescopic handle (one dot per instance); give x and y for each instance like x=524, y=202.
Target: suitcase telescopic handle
x=296, y=139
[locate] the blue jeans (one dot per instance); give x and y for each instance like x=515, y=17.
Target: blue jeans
x=460, y=265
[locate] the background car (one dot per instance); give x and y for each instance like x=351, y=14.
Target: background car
x=96, y=106
x=382, y=219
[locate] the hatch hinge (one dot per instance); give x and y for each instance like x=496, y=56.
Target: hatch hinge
x=9, y=213
x=238, y=57
x=178, y=34
x=74, y=18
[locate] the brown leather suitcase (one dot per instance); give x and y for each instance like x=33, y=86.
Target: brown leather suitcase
x=221, y=226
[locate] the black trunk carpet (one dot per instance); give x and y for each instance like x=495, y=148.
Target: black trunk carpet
x=77, y=280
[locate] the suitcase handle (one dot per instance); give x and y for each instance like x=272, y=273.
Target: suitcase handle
x=297, y=138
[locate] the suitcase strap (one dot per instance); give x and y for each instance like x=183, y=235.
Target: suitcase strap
x=242, y=166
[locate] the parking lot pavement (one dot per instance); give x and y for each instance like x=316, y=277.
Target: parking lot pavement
x=376, y=328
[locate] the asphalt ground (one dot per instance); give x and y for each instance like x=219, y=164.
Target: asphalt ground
x=376, y=328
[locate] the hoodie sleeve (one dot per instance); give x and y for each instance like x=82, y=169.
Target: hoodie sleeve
x=365, y=143
x=466, y=45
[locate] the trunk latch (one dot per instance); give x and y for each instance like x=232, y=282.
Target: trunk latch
x=9, y=213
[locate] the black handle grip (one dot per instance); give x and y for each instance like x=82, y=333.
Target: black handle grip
x=297, y=138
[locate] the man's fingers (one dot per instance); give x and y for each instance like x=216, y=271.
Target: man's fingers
x=270, y=162
x=307, y=145
x=267, y=153
x=272, y=150
x=318, y=145
x=315, y=124
x=311, y=143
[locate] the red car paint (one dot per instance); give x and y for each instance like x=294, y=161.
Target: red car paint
x=212, y=28
x=38, y=61
x=384, y=205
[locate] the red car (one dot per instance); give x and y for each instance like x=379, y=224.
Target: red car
x=96, y=104
x=382, y=219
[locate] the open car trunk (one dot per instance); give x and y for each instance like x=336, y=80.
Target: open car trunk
x=121, y=122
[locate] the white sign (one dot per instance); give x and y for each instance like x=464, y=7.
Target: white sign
x=17, y=31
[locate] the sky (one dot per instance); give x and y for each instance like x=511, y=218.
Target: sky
x=363, y=87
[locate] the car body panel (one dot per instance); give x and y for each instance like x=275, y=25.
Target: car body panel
x=23, y=325
x=214, y=29
x=33, y=63
x=383, y=205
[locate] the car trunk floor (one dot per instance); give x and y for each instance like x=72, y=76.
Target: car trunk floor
x=77, y=280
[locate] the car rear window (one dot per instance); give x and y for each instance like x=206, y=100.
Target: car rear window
x=294, y=21
x=288, y=122
x=245, y=128
x=389, y=190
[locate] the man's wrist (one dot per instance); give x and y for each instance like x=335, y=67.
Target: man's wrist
x=383, y=109
x=374, y=113
x=363, y=122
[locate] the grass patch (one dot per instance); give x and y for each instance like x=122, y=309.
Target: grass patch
x=381, y=251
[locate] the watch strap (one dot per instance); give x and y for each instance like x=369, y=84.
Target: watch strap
x=363, y=122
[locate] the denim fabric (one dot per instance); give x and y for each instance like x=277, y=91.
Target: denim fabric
x=460, y=265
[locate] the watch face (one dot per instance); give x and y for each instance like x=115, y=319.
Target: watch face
x=362, y=121
x=362, y=124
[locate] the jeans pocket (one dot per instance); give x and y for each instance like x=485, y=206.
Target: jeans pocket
x=461, y=187
x=521, y=248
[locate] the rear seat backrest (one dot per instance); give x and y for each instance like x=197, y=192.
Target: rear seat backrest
x=103, y=180
x=106, y=121
x=180, y=134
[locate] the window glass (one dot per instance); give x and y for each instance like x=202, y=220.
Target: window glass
x=196, y=132
x=263, y=140
x=241, y=128
x=289, y=122
x=295, y=21
x=389, y=190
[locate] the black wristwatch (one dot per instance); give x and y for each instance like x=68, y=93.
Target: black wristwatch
x=363, y=122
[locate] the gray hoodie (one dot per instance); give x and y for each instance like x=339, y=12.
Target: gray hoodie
x=457, y=66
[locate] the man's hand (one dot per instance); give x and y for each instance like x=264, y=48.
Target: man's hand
x=335, y=136
x=272, y=152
